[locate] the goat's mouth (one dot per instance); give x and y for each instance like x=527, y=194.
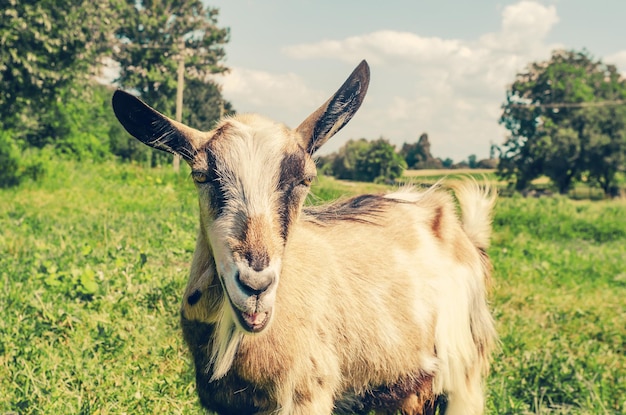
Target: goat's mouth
x=252, y=310
x=253, y=322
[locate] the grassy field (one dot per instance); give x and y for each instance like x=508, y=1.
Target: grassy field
x=447, y=172
x=579, y=190
x=93, y=262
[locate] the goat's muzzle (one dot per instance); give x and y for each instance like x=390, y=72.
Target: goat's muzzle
x=252, y=294
x=255, y=282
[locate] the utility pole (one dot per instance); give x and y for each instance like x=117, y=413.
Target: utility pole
x=179, y=95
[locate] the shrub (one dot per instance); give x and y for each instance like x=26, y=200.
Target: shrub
x=367, y=161
x=18, y=164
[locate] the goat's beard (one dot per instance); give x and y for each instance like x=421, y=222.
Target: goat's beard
x=226, y=339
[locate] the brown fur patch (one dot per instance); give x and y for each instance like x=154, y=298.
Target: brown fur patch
x=411, y=395
x=211, y=166
x=417, y=405
x=437, y=222
x=221, y=130
x=302, y=396
x=253, y=246
x=360, y=209
x=291, y=169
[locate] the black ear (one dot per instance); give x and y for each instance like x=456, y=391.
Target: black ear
x=337, y=111
x=153, y=128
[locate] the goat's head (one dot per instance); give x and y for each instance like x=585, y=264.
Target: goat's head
x=252, y=177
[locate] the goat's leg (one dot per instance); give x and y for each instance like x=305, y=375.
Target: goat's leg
x=321, y=404
x=416, y=405
x=307, y=395
x=469, y=399
x=412, y=405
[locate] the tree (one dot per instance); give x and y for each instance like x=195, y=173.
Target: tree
x=447, y=163
x=561, y=115
x=472, y=161
x=155, y=34
x=46, y=46
x=345, y=160
x=607, y=146
x=204, y=105
x=417, y=155
x=48, y=51
x=413, y=153
x=79, y=122
x=380, y=163
x=363, y=160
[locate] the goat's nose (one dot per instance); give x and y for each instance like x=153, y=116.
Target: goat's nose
x=255, y=282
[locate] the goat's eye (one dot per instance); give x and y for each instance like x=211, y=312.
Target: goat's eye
x=306, y=181
x=199, y=177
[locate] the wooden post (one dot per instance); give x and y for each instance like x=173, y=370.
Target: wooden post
x=179, y=97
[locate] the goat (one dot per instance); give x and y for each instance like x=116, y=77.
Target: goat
x=374, y=303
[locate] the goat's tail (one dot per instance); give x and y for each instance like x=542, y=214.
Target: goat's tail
x=477, y=202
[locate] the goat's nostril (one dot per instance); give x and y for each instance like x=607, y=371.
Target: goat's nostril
x=255, y=283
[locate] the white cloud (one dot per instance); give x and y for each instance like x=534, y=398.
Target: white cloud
x=525, y=25
x=450, y=88
x=523, y=30
x=267, y=94
x=378, y=47
x=263, y=88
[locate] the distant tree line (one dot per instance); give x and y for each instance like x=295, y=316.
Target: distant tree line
x=379, y=161
x=566, y=118
x=52, y=51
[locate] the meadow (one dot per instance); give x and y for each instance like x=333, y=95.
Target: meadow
x=94, y=259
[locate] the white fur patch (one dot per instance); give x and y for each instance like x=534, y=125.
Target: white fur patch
x=225, y=343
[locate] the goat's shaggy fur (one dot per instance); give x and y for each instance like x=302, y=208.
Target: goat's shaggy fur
x=372, y=303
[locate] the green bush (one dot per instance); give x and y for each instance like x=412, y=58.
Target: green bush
x=9, y=160
x=363, y=160
x=17, y=164
x=82, y=128
x=380, y=163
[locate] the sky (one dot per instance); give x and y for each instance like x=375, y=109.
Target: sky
x=440, y=67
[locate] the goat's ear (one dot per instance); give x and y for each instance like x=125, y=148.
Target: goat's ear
x=153, y=128
x=337, y=111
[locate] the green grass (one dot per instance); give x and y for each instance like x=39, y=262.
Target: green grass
x=93, y=262
x=579, y=191
x=431, y=176
x=560, y=305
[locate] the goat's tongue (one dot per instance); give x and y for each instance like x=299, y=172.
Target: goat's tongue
x=255, y=319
